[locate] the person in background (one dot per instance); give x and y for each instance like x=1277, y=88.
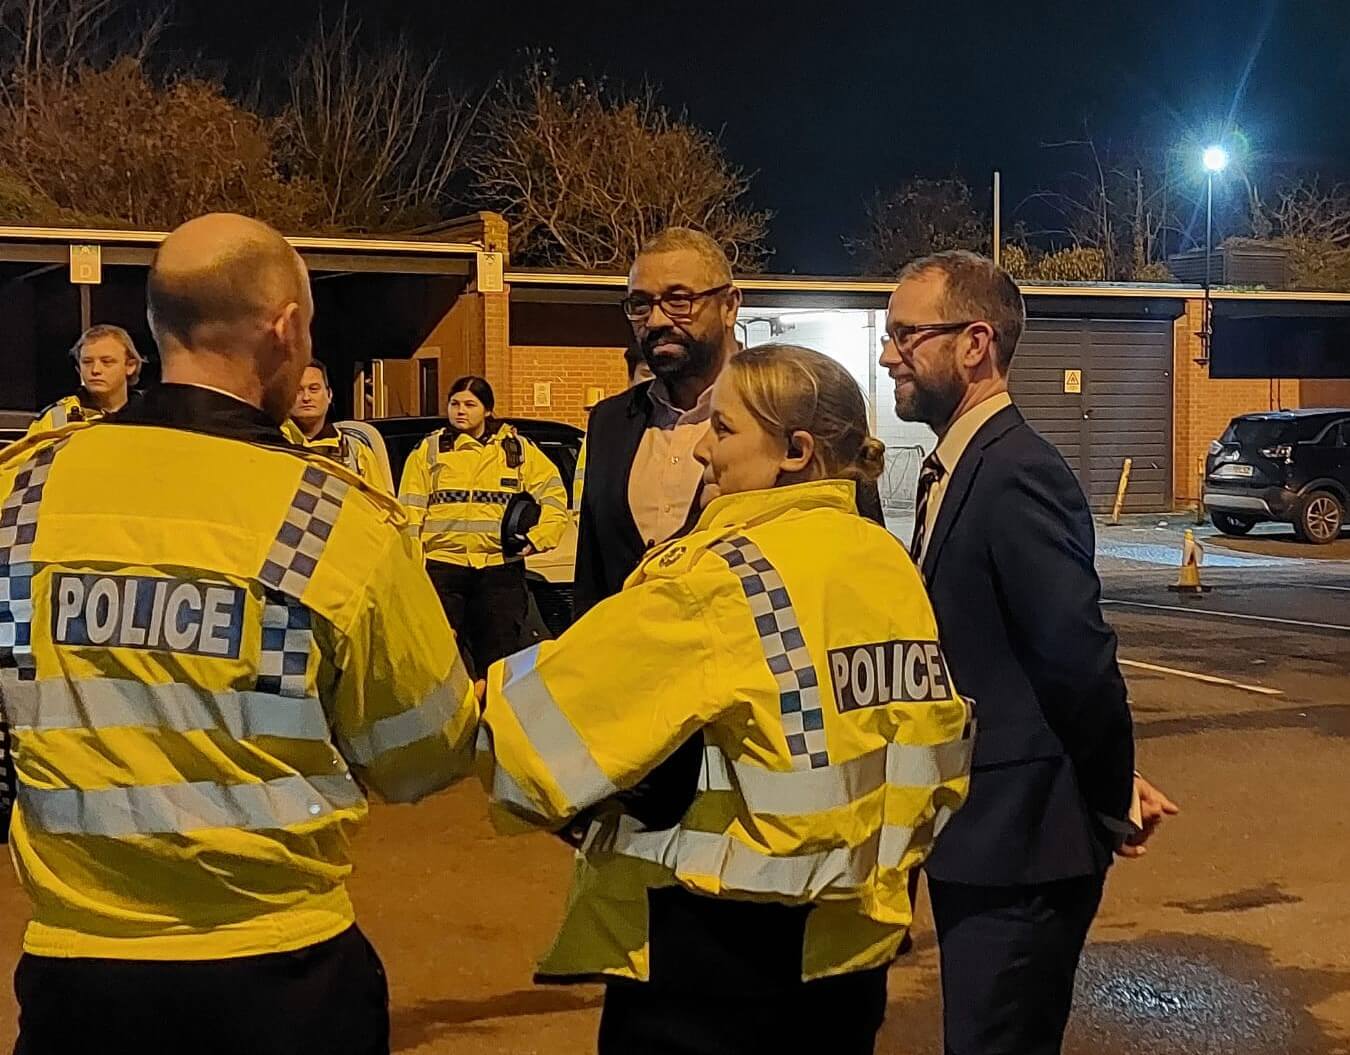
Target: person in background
x=308, y=426
x=109, y=365
x=762, y=915
x=1004, y=540
x=205, y=677
x=641, y=479
x=482, y=498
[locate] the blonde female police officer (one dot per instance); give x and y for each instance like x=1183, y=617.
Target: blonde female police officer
x=797, y=638
x=465, y=488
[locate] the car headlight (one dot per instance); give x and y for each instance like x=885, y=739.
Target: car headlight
x=1215, y=447
x=1281, y=452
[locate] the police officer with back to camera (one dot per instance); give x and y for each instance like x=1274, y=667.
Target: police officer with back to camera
x=109, y=365
x=483, y=498
x=762, y=912
x=211, y=646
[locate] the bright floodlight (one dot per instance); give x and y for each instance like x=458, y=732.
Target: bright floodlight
x=1215, y=159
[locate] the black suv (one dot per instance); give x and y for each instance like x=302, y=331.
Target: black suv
x=1286, y=465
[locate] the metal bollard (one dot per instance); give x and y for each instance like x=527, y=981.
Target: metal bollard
x=1120, y=490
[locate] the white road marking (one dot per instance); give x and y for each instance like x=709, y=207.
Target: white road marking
x=1317, y=586
x=1209, y=679
x=1230, y=615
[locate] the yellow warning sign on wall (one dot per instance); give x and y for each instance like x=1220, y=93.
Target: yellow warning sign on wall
x=1073, y=381
x=86, y=264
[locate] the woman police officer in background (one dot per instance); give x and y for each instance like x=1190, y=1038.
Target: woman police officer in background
x=482, y=498
x=796, y=637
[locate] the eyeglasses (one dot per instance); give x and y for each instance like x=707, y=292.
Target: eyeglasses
x=677, y=306
x=902, y=335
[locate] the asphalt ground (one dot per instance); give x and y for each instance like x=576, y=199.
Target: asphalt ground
x=1232, y=935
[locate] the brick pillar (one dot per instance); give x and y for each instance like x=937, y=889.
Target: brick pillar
x=1203, y=405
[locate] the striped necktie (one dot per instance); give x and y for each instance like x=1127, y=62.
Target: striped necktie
x=933, y=470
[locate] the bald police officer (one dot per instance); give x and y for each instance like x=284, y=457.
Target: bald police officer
x=212, y=644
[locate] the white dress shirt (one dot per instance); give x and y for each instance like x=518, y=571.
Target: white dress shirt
x=665, y=476
x=950, y=448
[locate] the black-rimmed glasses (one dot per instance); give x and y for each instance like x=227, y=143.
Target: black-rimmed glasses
x=677, y=306
x=901, y=335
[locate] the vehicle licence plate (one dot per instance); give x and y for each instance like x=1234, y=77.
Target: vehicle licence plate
x=1239, y=470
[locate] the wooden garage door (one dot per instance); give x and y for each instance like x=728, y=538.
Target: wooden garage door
x=1124, y=408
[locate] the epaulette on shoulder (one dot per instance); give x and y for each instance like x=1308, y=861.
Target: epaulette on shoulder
x=386, y=503
x=30, y=443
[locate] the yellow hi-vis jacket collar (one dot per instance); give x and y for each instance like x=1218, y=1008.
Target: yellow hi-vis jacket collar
x=797, y=636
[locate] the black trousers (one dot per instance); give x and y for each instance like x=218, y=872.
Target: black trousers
x=488, y=609
x=331, y=998
x=1009, y=956
x=726, y=980
x=838, y=1016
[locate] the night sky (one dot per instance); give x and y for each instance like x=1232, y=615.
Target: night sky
x=830, y=103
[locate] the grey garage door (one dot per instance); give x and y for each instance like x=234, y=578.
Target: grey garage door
x=1124, y=409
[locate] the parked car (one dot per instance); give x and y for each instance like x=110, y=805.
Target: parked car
x=1291, y=466
x=551, y=575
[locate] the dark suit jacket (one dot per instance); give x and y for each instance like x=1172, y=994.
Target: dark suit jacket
x=609, y=545
x=1010, y=572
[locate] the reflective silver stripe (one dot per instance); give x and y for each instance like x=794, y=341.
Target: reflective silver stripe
x=743, y=868
x=427, y=719
x=107, y=703
x=461, y=526
x=553, y=503
x=413, y=501
x=553, y=482
x=552, y=736
x=803, y=791
x=182, y=808
x=60, y=416
x=716, y=772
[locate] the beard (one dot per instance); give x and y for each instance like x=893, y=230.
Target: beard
x=696, y=359
x=931, y=400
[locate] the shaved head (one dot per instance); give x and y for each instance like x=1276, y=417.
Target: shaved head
x=228, y=293
x=216, y=271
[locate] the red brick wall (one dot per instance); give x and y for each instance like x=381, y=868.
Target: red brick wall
x=1324, y=392
x=571, y=371
x=1203, y=405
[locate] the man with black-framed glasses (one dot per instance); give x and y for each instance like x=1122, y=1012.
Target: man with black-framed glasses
x=1005, y=543
x=641, y=477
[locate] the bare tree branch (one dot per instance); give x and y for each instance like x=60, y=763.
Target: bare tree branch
x=586, y=176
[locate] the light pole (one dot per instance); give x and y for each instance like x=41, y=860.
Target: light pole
x=1215, y=160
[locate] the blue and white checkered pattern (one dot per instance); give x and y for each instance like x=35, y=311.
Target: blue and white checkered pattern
x=287, y=637
x=785, y=651
x=304, y=533
x=18, y=530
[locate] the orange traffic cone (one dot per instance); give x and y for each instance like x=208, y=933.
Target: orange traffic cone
x=1188, y=575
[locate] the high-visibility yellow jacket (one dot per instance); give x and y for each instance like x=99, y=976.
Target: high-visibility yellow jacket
x=456, y=489
x=208, y=649
x=798, y=637
x=334, y=444
x=579, y=480
x=61, y=413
